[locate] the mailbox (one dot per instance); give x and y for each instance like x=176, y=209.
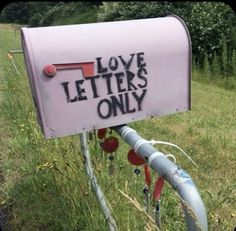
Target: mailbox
x=97, y=75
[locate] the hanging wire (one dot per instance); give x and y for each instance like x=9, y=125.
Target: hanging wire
x=153, y=142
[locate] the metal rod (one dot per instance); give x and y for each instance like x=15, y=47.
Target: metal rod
x=15, y=51
x=95, y=186
x=13, y=63
x=194, y=209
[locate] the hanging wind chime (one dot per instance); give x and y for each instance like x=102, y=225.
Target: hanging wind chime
x=159, y=184
x=109, y=145
x=137, y=160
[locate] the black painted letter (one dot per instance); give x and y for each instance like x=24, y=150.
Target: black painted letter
x=139, y=99
x=80, y=90
x=128, y=110
x=101, y=114
x=93, y=85
x=113, y=63
x=119, y=79
x=108, y=82
x=101, y=69
x=66, y=89
x=140, y=60
x=140, y=76
x=130, y=76
x=127, y=64
x=117, y=103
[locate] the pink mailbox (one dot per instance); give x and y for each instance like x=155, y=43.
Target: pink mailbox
x=97, y=75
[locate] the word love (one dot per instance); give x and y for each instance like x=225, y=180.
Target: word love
x=124, y=83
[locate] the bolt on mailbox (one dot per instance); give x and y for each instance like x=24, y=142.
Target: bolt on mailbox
x=97, y=75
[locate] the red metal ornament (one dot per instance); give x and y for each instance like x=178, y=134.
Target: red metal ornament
x=110, y=144
x=134, y=158
x=148, y=178
x=158, y=188
x=101, y=133
x=50, y=70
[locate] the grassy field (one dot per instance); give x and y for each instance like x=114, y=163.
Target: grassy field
x=43, y=182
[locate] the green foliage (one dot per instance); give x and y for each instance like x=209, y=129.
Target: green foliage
x=26, y=12
x=38, y=10
x=47, y=19
x=194, y=64
x=35, y=19
x=77, y=13
x=224, y=57
x=109, y=11
x=233, y=39
x=206, y=21
x=206, y=67
x=221, y=66
x=70, y=13
x=233, y=63
x=16, y=12
x=132, y=10
x=215, y=66
x=47, y=13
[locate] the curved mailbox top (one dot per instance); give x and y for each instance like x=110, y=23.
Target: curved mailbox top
x=90, y=76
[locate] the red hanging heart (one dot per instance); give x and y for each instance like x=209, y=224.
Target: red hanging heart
x=147, y=173
x=134, y=158
x=110, y=144
x=158, y=188
x=101, y=133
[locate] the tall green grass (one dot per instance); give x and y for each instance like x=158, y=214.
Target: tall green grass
x=45, y=186
x=219, y=68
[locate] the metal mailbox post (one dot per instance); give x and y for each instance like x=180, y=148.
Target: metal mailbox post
x=90, y=76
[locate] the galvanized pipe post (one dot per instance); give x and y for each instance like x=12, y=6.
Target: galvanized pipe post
x=193, y=206
x=107, y=214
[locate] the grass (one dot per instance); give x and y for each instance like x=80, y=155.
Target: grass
x=226, y=82
x=44, y=184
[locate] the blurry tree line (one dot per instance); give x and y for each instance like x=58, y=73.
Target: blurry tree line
x=212, y=25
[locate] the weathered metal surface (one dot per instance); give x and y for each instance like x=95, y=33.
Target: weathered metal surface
x=193, y=206
x=90, y=76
